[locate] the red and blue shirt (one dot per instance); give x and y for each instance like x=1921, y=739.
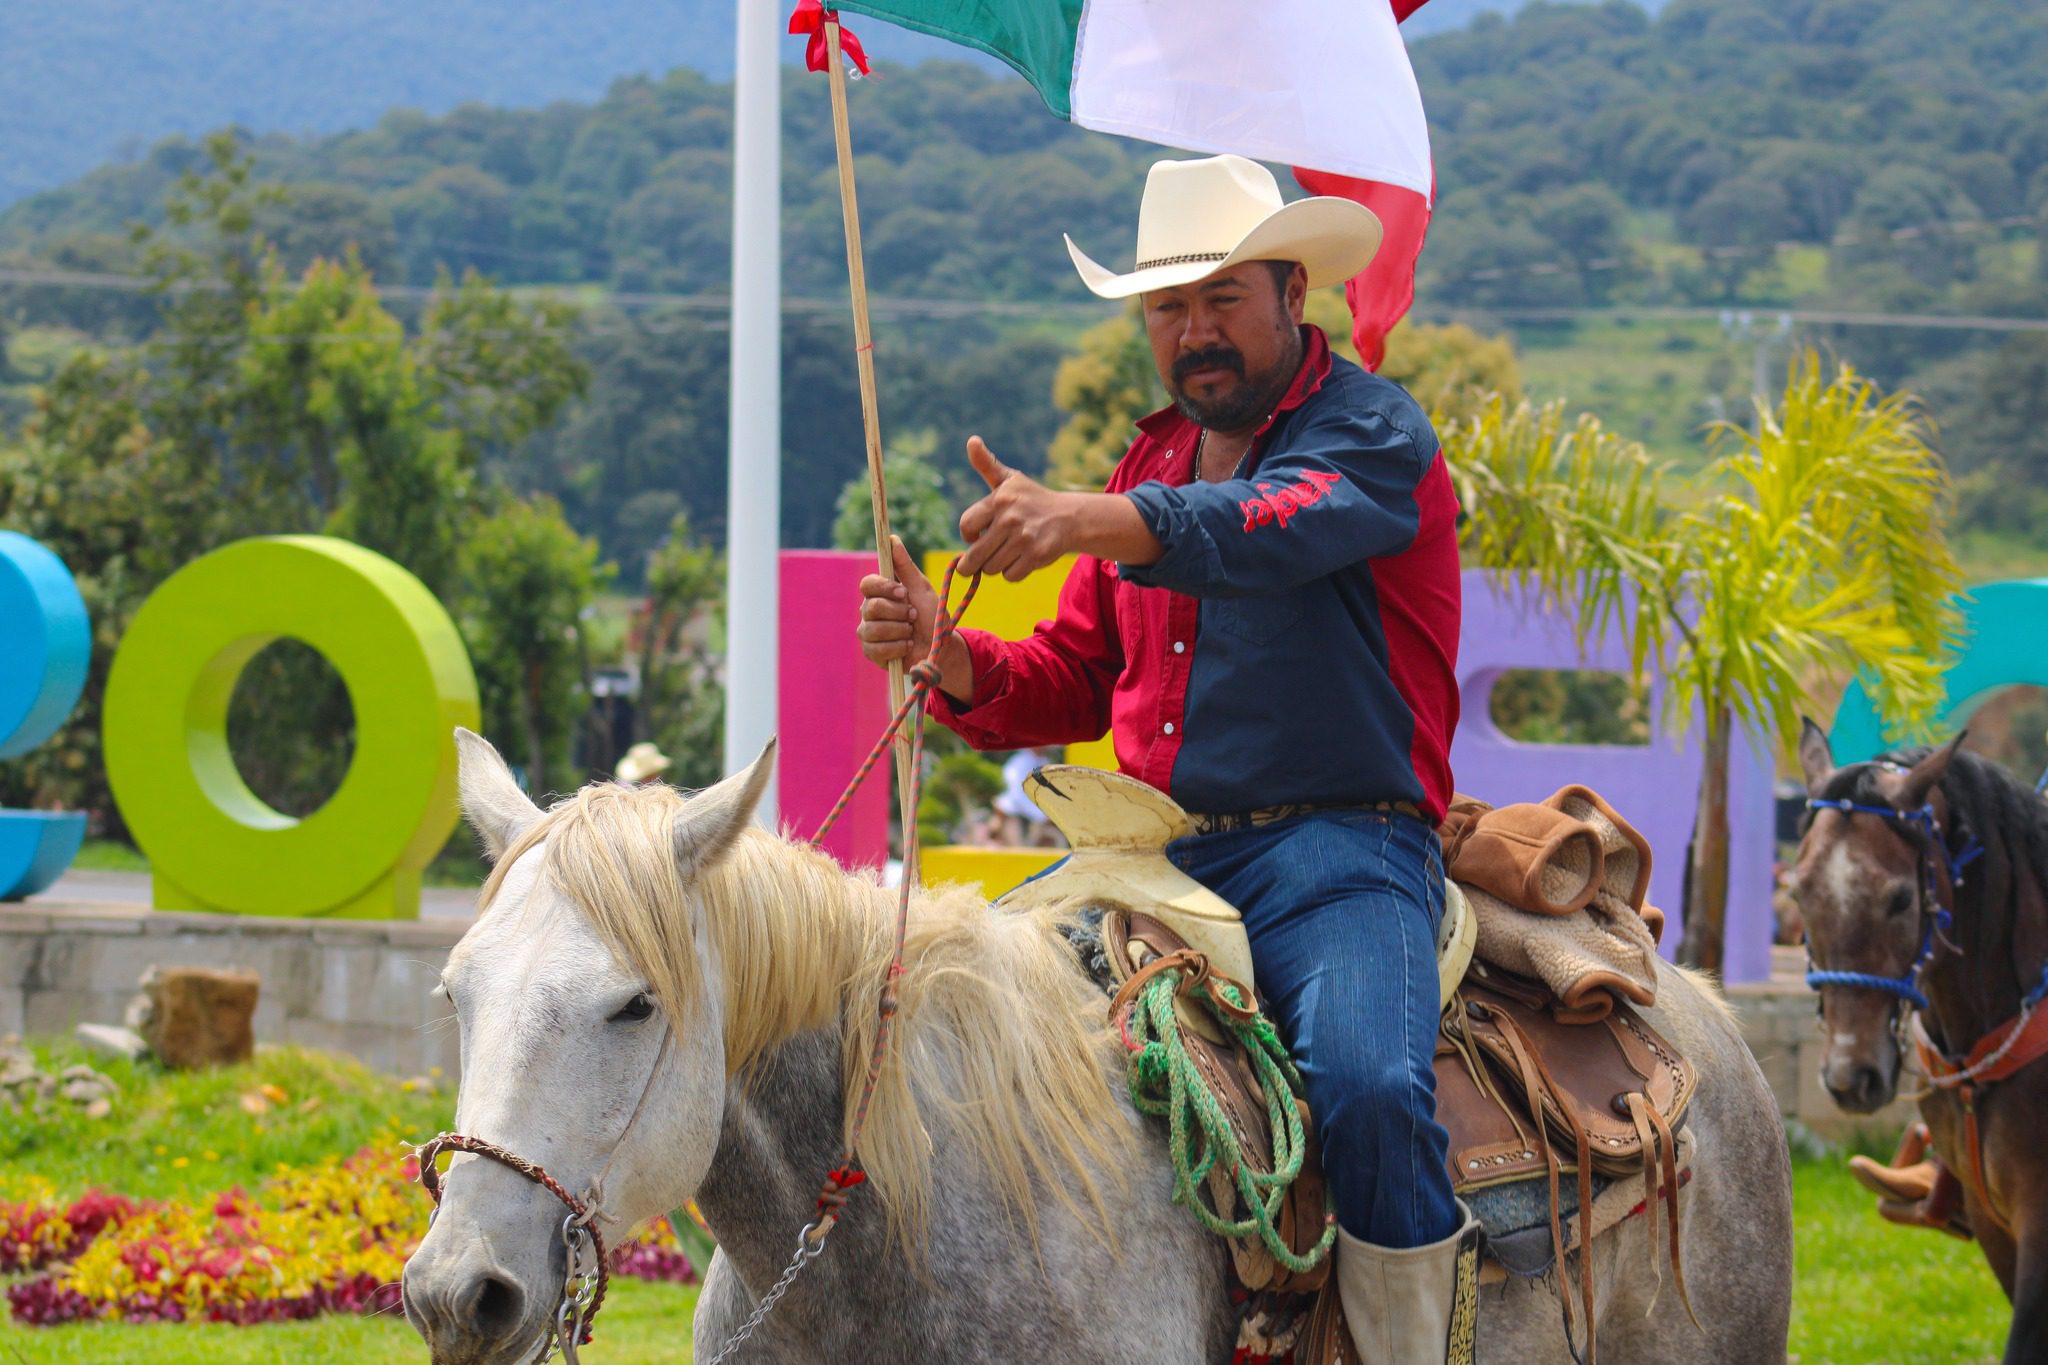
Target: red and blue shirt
x=1295, y=643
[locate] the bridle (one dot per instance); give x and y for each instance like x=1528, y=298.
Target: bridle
x=583, y=1289
x=1936, y=919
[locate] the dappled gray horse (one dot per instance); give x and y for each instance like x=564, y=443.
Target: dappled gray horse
x=660, y=1001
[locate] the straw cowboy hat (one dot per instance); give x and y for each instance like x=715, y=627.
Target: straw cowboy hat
x=641, y=762
x=1199, y=217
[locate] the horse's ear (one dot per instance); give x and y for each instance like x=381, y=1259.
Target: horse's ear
x=491, y=799
x=1815, y=758
x=1928, y=771
x=712, y=819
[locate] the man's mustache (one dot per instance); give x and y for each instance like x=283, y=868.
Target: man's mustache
x=1215, y=358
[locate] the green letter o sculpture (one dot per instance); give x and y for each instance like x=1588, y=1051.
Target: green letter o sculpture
x=212, y=844
x=2005, y=644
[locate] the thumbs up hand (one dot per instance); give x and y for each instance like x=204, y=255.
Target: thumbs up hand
x=986, y=464
x=1021, y=526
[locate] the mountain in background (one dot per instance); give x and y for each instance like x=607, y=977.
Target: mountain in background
x=1602, y=171
x=87, y=81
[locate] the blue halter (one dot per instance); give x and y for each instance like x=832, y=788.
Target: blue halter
x=1934, y=916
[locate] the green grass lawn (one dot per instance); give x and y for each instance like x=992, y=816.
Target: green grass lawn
x=109, y=855
x=185, y=1134
x=1867, y=1293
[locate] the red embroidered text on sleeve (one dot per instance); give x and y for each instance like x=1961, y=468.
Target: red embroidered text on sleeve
x=1277, y=505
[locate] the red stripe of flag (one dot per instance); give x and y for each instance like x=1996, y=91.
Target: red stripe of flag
x=1381, y=294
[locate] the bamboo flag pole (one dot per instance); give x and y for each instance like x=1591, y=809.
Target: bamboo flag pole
x=870, y=407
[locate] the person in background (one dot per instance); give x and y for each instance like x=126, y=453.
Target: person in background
x=641, y=763
x=1024, y=824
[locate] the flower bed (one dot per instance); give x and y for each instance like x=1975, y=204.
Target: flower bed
x=328, y=1239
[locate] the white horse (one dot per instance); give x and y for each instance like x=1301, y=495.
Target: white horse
x=660, y=1001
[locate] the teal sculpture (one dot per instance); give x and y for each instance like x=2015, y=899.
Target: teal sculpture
x=2005, y=644
x=45, y=647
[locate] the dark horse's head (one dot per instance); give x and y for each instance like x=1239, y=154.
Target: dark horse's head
x=1863, y=882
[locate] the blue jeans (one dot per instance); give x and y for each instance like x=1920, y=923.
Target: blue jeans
x=1342, y=908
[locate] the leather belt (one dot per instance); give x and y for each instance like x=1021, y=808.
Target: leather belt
x=1225, y=821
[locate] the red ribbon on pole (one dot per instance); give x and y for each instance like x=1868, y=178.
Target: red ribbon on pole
x=810, y=17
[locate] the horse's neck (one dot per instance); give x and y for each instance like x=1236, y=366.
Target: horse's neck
x=781, y=1135
x=2001, y=928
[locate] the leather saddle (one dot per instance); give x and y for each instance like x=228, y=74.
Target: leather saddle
x=1526, y=1089
x=1529, y=1089
x=1153, y=913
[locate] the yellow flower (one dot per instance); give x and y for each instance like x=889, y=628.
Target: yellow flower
x=211, y=1156
x=162, y=1150
x=181, y=1162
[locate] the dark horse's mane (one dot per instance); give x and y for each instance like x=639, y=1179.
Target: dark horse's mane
x=1986, y=804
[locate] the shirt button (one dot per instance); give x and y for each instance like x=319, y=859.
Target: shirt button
x=1179, y=647
x=1169, y=727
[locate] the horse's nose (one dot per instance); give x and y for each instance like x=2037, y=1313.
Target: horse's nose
x=472, y=1313
x=1859, y=1088
x=493, y=1307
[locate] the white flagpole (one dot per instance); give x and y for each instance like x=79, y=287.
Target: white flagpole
x=753, y=498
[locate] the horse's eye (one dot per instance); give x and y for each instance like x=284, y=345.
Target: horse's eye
x=634, y=1010
x=1902, y=901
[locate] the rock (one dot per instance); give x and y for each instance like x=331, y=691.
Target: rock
x=200, y=1017
x=112, y=1040
x=99, y=1108
x=84, y=1091
x=16, y=1067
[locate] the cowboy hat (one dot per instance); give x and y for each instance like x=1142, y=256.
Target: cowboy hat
x=1202, y=216
x=641, y=762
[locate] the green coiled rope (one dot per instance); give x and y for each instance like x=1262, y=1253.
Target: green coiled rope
x=1164, y=1080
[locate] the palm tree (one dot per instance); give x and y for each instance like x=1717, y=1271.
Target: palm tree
x=1814, y=544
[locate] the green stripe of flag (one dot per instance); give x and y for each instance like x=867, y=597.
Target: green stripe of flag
x=1034, y=36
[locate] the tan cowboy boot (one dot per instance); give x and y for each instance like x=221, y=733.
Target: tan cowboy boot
x=1916, y=1190
x=1414, y=1307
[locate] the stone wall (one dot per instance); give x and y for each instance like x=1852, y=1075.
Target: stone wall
x=357, y=986
x=364, y=987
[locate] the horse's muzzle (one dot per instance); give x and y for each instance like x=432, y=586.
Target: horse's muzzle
x=1859, y=1087
x=469, y=1309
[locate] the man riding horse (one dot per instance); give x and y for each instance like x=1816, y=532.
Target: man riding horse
x=1264, y=615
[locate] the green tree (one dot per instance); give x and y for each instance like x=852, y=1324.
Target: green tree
x=96, y=485
x=527, y=580
x=1103, y=388
x=267, y=402
x=682, y=704
x=1452, y=370
x=920, y=515
x=1816, y=544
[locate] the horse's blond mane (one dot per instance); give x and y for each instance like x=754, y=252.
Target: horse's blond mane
x=997, y=1032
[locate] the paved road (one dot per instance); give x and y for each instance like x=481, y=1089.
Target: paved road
x=82, y=887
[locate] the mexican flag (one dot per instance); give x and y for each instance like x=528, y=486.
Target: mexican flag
x=1320, y=85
